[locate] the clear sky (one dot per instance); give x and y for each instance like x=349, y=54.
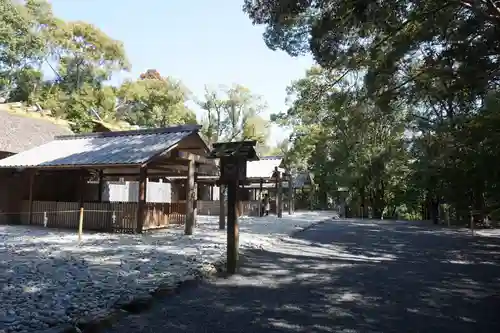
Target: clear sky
x=197, y=41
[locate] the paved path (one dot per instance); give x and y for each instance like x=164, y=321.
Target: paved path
x=347, y=276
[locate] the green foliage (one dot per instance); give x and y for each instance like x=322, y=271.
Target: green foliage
x=82, y=58
x=155, y=101
x=427, y=67
x=233, y=114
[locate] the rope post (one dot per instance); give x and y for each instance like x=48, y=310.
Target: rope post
x=472, y=222
x=80, y=225
x=448, y=222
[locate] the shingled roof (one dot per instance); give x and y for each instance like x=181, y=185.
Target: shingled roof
x=21, y=132
x=102, y=149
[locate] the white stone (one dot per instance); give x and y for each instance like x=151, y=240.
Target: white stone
x=50, y=276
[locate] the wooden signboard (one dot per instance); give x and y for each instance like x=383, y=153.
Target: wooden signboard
x=233, y=172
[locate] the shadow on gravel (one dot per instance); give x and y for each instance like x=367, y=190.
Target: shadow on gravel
x=346, y=276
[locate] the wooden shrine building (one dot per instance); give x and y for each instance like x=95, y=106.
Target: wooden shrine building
x=51, y=179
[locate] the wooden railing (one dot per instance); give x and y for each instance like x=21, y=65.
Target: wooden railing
x=162, y=215
x=98, y=216
x=103, y=216
x=207, y=207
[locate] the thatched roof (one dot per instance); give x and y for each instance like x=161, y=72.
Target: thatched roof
x=21, y=130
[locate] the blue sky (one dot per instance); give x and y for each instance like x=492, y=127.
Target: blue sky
x=198, y=41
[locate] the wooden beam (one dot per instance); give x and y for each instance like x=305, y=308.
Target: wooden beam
x=152, y=174
x=100, y=186
x=78, y=167
x=190, y=199
x=192, y=157
x=141, y=206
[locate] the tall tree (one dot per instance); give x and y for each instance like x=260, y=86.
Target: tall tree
x=81, y=56
x=155, y=101
x=438, y=60
x=345, y=139
x=233, y=114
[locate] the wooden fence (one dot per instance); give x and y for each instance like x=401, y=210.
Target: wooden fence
x=103, y=216
x=207, y=207
x=162, y=215
x=119, y=216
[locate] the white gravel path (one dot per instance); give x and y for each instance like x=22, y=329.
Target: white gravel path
x=47, y=279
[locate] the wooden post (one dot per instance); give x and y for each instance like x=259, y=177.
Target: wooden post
x=190, y=199
x=82, y=199
x=279, y=195
x=261, y=209
x=195, y=201
x=290, y=194
x=32, y=182
x=232, y=227
x=80, y=225
x=472, y=222
x=222, y=211
x=141, y=199
x=100, y=186
x=447, y=216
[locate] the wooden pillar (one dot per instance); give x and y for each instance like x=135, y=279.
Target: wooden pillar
x=32, y=174
x=279, y=195
x=232, y=227
x=222, y=215
x=190, y=199
x=81, y=189
x=141, y=200
x=261, y=209
x=195, y=199
x=290, y=194
x=100, y=186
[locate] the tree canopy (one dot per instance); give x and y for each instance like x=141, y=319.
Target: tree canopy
x=65, y=67
x=404, y=106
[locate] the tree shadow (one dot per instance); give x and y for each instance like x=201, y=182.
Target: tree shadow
x=345, y=276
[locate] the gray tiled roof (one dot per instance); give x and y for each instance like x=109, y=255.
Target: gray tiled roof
x=125, y=147
x=19, y=133
x=302, y=179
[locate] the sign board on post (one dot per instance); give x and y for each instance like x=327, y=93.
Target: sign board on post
x=233, y=168
x=233, y=160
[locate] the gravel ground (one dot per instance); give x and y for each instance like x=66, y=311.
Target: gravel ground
x=47, y=279
x=346, y=276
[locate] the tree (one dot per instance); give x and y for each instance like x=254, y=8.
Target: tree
x=436, y=60
x=233, y=114
x=23, y=47
x=346, y=140
x=81, y=56
x=155, y=101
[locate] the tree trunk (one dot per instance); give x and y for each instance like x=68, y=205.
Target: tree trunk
x=434, y=210
x=479, y=203
x=364, y=204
